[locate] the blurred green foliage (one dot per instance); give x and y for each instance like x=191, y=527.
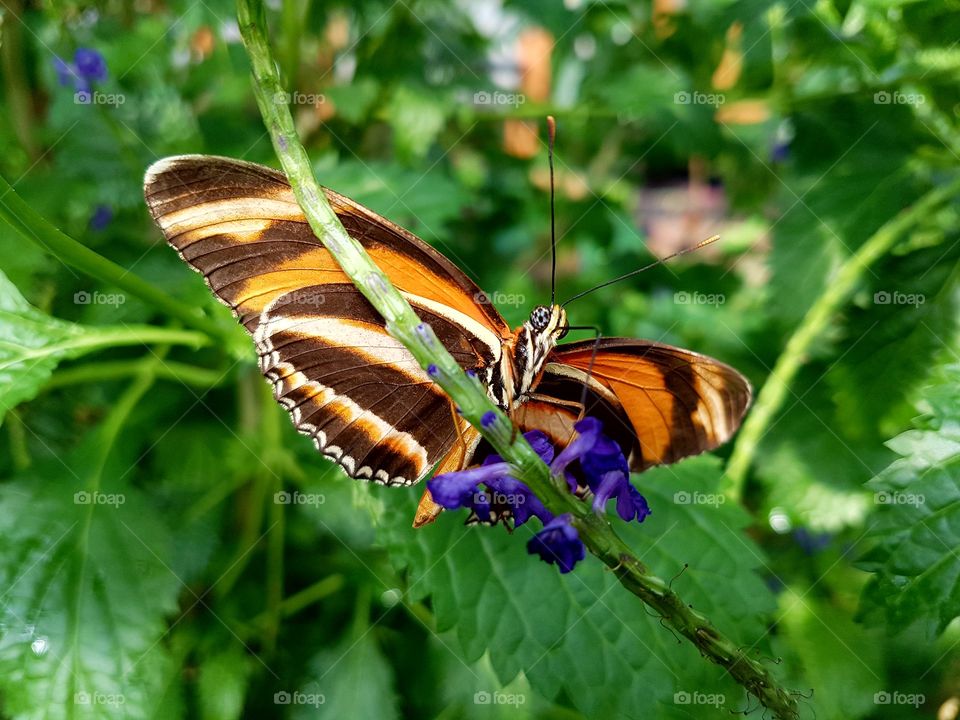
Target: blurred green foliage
x=180, y=584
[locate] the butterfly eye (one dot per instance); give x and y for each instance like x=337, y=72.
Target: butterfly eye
x=540, y=318
x=563, y=333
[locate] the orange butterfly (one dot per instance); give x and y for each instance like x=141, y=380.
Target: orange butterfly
x=359, y=394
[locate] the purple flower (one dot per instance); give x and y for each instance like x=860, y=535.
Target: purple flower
x=88, y=67
x=558, y=543
x=90, y=64
x=592, y=460
x=461, y=489
x=588, y=430
x=630, y=503
x=603, y=468
x=457, y=489
x=102, y=215
x=66, y=75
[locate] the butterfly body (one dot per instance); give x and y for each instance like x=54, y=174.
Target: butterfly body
x=359, y=394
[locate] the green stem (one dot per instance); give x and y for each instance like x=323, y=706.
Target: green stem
x=16, y=87
x=272, y=433
x=297, y=602
x=811, y=328
x=108, y=433
x=101, y=371
x=469, y=394
x=35, y=228
x=105, y=337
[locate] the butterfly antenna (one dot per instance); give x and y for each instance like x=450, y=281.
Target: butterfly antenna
x=660, y=261
x=552, y=136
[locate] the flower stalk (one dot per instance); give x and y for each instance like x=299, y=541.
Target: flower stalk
x=811, y=328
x=469, y=394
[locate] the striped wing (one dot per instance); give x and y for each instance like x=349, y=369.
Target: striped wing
x=662, y=402
x=348, y=385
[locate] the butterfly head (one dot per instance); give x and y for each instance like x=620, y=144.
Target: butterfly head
x=548, y=322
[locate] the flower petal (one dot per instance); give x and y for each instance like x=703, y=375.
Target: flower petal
x=558, y=543
x=90, y=64
x=588, y=430
x=455, y=489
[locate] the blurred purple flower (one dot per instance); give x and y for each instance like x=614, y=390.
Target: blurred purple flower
x=88, y=67
x=102, y=215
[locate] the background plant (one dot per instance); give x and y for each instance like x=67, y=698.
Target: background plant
x=178, y=585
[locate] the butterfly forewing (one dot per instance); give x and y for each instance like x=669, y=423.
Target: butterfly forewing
x=351, y=387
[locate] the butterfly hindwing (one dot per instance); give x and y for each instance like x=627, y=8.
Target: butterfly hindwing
x=672, y=402
x=350, y=386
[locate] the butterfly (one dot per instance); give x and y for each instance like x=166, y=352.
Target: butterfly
x=359, y=394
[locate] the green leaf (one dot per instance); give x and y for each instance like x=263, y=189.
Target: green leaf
x=351, y=680
x=223, y=680
x=32, y=343
x=86, y=590
x=417, y=118
x=582, y=636
x=916, y=521
x=841, y=659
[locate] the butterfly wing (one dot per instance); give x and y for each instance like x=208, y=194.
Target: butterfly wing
x=661, y=402
x=351, y=387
